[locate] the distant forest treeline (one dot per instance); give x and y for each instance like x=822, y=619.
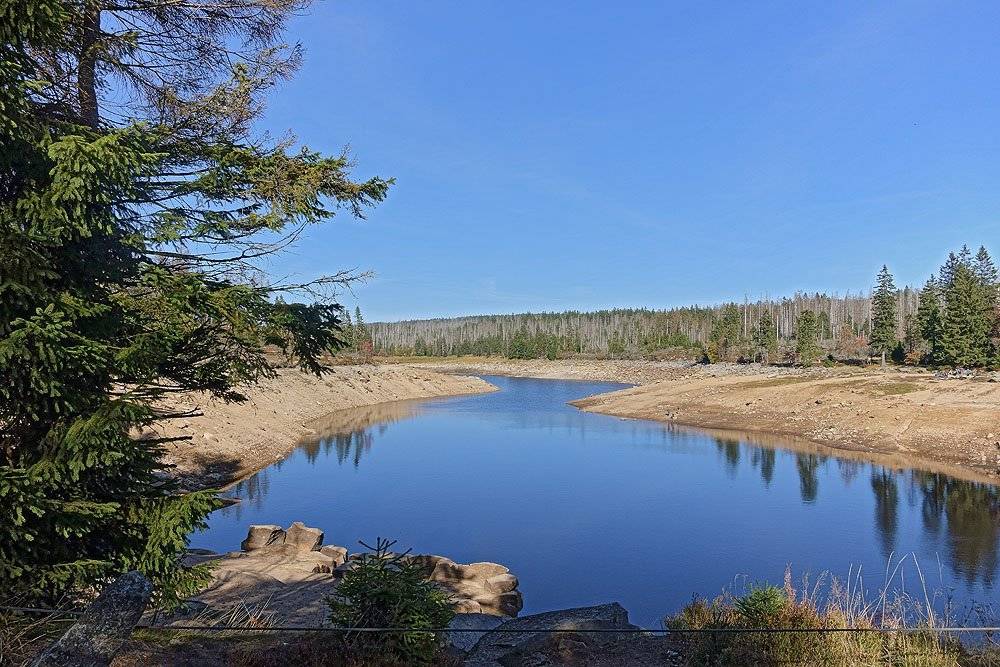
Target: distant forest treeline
x=764, y=329
x=625, y=332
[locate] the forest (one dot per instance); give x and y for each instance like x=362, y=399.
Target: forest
x=951, y=320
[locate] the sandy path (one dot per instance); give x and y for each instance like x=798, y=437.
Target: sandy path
x=233, y=440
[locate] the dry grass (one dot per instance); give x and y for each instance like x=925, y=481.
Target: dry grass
x=22, y=636
x=896, y=388
x=892, y=628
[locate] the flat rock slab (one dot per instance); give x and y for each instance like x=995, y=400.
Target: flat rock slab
x=491, y=648
x=465, y=640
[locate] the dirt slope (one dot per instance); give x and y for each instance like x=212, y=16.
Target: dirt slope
x=911, y=415
x=232, y=440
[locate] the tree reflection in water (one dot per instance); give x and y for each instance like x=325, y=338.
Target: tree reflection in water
x=962, y=516
x=886, y=508
x=348, y=434
x=970, y=512
x=808, y=465
x=967, y=512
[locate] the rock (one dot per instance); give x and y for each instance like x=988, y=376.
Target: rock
x=492, y=647
x=428, y=562
x=102, y=629
x=344, y=568
x=501, y=583
x=572, y=645
x=510, y=603
x=467, y=606
x=322, y=568
x=304, y=537
x=196, y=556
x=471, y=628
x=448, y=571
x=261, y=536
x=502, y=604
x=338, y=554
x=484, y=570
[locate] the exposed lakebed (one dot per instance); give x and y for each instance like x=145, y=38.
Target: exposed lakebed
x=588, y=508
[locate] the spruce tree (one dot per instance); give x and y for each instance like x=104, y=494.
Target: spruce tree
x=129, y=226
x=361, y=335
x=967, y=323
x=884, y=322
x=984, y=268
x=806, y=343
x=725, y=339
x=947, y=272
x=929, y=321
x=765, y=337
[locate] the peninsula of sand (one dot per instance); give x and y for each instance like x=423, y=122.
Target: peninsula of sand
x=897, y=417
x=900, y=417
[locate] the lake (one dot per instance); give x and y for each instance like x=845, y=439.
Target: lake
x=587, y=508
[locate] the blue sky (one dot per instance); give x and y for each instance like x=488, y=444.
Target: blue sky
x=556, y=155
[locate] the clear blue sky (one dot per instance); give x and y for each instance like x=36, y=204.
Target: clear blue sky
x=555, y=155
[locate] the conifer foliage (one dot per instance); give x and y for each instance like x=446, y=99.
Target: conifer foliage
x=806, y=343
x=884, y=318
x=958, y=311
x=130, y=218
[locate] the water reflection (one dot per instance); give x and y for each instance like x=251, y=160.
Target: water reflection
x=947, y=518
x=886, y=508
x=967, y=511
x=345, y=434
x=808, y=465
x=970, y=513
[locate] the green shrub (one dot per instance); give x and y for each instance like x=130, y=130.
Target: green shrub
x=770, y=608
x=386, y=590
x=761, y=604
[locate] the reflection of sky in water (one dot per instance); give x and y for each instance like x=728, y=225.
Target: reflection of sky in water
x=587, y=508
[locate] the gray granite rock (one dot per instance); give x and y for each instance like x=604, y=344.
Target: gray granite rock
x=465, y=640
x=100, y=632
x=489, y=650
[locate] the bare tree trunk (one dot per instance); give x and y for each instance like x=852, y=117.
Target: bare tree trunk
x=86, y=75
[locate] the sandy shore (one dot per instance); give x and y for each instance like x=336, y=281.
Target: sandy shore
x=907, y=416
x=229, y=441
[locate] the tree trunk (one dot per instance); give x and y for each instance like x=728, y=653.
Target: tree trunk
x=86, y=75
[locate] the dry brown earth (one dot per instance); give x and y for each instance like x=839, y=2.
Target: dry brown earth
x=229, y=441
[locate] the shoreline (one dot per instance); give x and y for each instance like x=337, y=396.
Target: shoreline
x=905, y=417
x=225, y=443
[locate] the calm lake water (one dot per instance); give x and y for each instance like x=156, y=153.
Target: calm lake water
x=587, y=508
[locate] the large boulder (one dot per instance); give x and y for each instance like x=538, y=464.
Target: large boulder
x=584, y=642
x=467, y=606
x=428, y=562
x=501, y=583
x=486, y=587
x=484, y=571
x=338, y=554
x=469, y=628
x=303, y=537
x=489, y=650
x=260, y=536
x=504, y=604
x=100, y=632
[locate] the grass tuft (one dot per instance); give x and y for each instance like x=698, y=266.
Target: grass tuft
x=828, y=604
